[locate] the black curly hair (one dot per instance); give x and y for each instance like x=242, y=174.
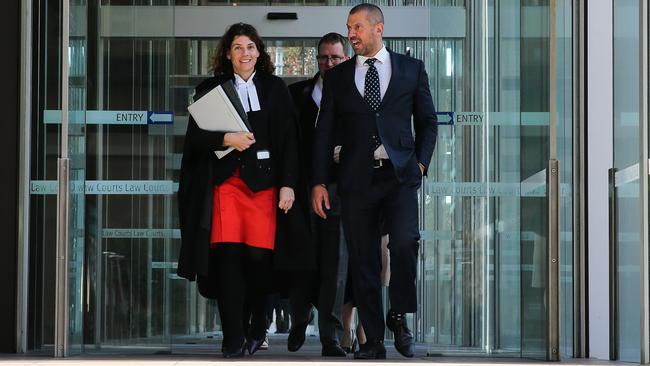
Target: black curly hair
x=222, y=66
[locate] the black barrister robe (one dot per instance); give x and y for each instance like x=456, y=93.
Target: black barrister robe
x=276, y=132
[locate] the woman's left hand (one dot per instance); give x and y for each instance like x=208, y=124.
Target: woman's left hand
x=286, y=199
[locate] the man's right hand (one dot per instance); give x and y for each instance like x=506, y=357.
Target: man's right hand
x=319, y=197
x=239, y=140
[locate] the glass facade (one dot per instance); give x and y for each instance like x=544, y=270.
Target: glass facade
x=484, y=208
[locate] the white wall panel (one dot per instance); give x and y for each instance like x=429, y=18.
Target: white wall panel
x=600, y=153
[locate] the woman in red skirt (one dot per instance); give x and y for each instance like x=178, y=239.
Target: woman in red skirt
x=246, y=190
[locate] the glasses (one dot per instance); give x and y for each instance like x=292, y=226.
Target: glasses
x=325, y=59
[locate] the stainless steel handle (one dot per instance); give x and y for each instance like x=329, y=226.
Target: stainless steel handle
x=553, y=288
x=613, y=263
x=61, y=299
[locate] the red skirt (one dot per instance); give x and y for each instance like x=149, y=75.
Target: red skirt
x=240, y=215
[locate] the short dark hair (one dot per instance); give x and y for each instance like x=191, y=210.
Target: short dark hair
x=220, y=63
x=332, y=38
x=374, y=12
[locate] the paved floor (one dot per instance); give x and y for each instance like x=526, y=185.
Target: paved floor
x=206, y=353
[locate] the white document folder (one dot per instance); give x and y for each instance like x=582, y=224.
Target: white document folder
x=215, y=112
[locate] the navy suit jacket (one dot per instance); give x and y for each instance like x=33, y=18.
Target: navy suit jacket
x=406, y=122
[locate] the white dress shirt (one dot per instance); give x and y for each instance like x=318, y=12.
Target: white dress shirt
x=383, y=67
x=247, y=93
x=317, y=94
x=384, y=70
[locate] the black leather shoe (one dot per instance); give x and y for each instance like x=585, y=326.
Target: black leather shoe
x=297, y=334
x=238, y=353
x=371, y=350
x=296, y=338
x=253, y=345
x=333, y=350
x=404, y=342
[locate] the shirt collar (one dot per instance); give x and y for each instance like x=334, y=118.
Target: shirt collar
x=381, y=56
x=240, y=81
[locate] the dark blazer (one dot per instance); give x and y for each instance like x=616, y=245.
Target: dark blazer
x=407, y=96
x=275, y=130
x=306, y=112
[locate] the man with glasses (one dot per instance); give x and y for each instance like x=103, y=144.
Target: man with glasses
x=328, y=285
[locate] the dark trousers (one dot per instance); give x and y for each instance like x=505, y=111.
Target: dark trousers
x=361, y=214
x=333, y=267
x=275, y=302
x=242, y=286
x=328, y=283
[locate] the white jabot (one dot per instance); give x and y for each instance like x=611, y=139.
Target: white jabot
x=383, y=66
x=247, y=93
x=317, y=93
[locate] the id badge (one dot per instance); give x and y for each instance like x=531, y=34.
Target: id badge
x=263, y=154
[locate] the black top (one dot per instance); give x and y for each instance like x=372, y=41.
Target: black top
x=275, y=132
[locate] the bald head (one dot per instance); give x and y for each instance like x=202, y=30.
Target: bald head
x=373, y=12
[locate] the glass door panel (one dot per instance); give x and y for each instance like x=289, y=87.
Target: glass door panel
x=133, y=201
x=46, y=145
x=77, y=176
x=535, y=153
x=626, y=162
x=130, y=190
x=485, y=202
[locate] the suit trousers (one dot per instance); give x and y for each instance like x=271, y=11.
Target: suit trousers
x=328, y=284
x=360, y=213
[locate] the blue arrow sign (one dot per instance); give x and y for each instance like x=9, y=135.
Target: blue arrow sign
x=160, y=117
x=445, y=118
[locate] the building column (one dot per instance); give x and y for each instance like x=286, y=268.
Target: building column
x=9, y=156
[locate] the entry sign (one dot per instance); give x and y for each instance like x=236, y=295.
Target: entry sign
x=111, y=117
x=116, y=117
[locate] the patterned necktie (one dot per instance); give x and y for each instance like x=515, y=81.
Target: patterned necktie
x=371, y=88
x=372, y=95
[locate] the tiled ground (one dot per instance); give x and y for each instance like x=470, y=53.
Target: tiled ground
x=206, y=353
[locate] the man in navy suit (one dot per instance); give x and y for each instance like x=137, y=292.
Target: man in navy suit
x=374, y=102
